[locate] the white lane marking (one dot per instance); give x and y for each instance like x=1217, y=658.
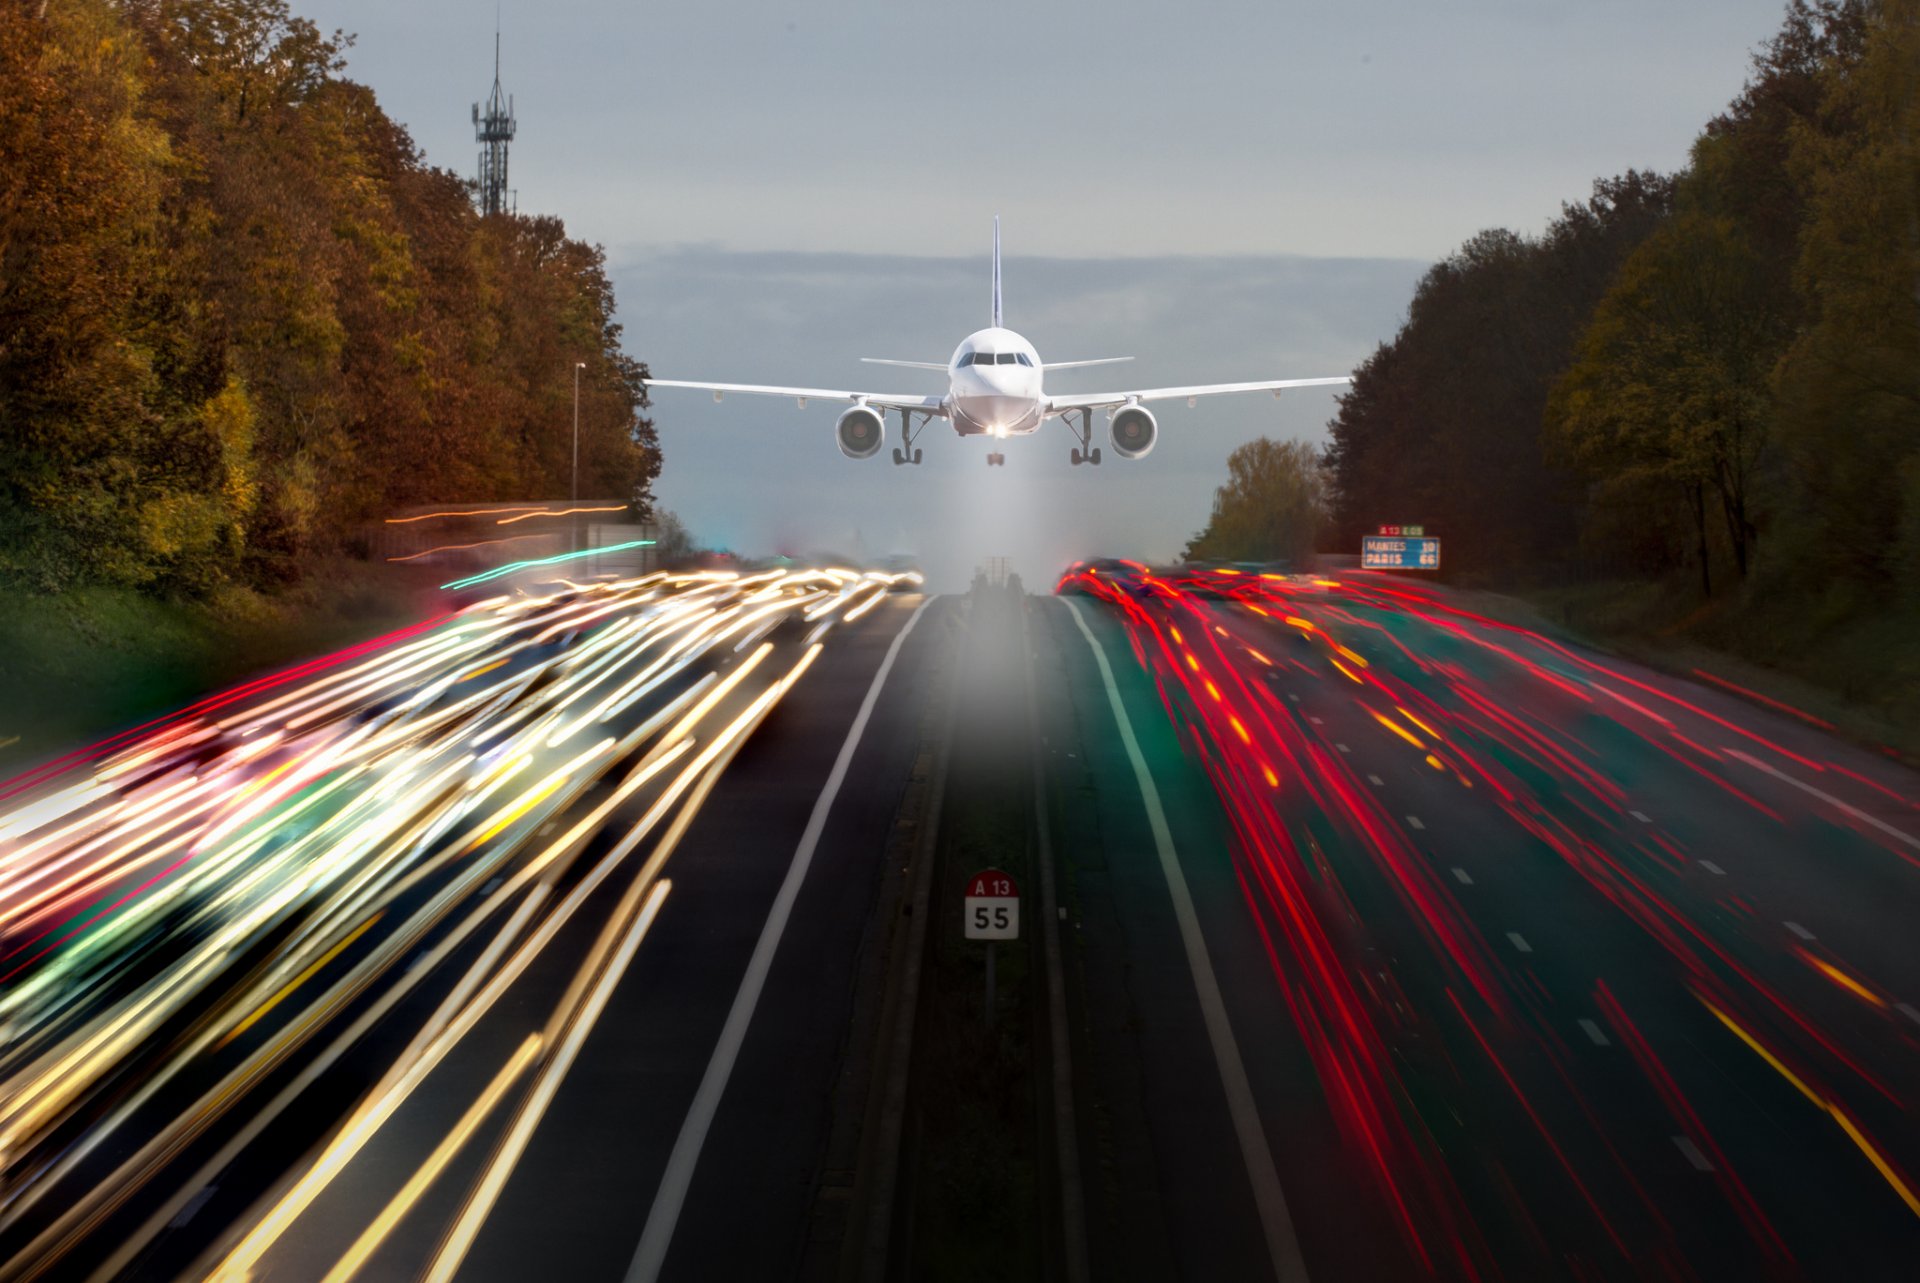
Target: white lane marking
x=1828, y=798
x=1519, y=942
x=667, y=1200
x=1293, y=697
x=1343, y=748
x=1692, y=1151
x=1316, y=721
x=1375, y=779
x=1594, y=1032
x=1713, y=868
x=1283, y=1244
x=1908, y=1010
x=1798, y=930
x=1413, y=821
x=1641, y=816
x=1464, y=878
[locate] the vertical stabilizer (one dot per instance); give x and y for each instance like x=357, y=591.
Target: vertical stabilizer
x=996, y=271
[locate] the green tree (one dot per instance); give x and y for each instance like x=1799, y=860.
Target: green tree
x=1670, y=387
x=1849, y=387
x=1272, y=507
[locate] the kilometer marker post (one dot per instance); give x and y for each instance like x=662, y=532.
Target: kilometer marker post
x=991, y=912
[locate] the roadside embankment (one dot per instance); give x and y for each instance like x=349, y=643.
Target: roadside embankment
x=78, y=665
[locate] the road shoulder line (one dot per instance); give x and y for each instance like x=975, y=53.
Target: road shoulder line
x=1283, y=1243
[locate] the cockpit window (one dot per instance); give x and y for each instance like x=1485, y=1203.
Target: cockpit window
x=965, y=358
x=1022, y=358
x=1006, y=358
x=983, y=358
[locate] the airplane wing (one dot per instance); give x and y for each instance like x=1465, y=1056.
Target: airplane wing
x=881, y=400
x=1097, y=400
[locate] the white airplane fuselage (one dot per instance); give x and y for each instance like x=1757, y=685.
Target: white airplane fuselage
x=994, y=385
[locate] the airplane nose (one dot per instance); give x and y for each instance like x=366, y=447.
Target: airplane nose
x=1002, y=411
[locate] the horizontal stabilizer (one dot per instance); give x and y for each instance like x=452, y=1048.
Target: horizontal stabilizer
x=1073, y=365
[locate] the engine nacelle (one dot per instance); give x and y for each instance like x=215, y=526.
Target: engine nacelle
x=1132, y=432
x=860, y=432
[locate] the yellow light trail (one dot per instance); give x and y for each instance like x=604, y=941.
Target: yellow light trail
x=401, y=1203
x=434, y=516
x=1398, y=729
x=558, y=512
x=345, y=943
x=1865, y=1146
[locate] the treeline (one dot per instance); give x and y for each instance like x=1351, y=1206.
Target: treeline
x=1710, y=378
x=239, y=313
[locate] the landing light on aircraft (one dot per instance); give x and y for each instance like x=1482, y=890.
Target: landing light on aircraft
x=994, y=390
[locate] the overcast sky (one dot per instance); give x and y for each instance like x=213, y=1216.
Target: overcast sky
x=1225, y=191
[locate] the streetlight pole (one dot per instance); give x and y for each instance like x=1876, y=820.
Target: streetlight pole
x=577, y=367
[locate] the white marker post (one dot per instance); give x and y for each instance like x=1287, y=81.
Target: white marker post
x=992, y=912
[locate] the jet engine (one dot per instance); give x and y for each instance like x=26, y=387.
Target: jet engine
x=1132, y=432
x=859, y=432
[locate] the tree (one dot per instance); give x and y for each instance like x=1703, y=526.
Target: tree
x=240, y=315
x=1272, y=507
x=1670, y=387
x=672, y=540
x=1442, y=424
x=1849, y=387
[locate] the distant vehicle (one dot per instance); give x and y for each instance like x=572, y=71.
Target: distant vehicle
x=994, y=390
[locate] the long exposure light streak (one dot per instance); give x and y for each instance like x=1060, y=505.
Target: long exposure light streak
x=189, y=905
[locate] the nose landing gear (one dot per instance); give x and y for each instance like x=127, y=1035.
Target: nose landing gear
x=996, y=461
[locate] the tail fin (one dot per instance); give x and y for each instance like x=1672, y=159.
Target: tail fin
x=996, y=271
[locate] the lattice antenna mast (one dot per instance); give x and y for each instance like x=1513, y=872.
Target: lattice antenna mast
x=494, y=130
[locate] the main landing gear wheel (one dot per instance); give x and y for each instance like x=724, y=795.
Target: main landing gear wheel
x=1086, y=451
x=906, y=452
x=996, y=461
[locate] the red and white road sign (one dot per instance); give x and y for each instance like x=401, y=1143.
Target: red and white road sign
x=992, y=906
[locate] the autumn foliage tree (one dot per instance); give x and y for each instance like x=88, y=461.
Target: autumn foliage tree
x=239, y=313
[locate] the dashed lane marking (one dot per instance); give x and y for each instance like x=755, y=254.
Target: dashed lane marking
x=1798, y=930
x=1713, y=868
x=1375, y=779
x=1464, y=878
x=1343, y=748
x=1519, y=942
x=1413, y=821
x=1595, y=1033
x=1641, y=816
x=1908, y=1010
x=1692, y=1151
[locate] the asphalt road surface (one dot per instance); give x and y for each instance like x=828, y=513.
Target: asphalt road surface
x=547, y=939
x=1528, y=964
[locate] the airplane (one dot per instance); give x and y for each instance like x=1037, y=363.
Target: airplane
x=994, y=390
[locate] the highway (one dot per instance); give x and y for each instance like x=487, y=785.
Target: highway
x=564, y=935
x=342, y=972
x=1532, y=964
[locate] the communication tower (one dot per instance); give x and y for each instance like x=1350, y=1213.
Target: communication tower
x=494, y=130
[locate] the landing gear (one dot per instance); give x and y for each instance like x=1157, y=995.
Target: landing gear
x=1086, y=451
x=996, y=461
x=905, y=452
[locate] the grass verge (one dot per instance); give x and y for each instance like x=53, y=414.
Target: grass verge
x=80, y=665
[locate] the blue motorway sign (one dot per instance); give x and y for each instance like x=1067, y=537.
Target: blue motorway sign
x=1382, y=552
